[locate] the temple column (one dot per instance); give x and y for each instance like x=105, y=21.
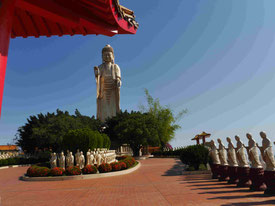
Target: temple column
x=6, y=16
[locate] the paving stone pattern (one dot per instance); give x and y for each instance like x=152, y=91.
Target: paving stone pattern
x=158, y=182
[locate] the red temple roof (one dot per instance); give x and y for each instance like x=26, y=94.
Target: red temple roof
x=69, y=17
x=8, y=148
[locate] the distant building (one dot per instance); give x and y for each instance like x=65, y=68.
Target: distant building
x=9, y=148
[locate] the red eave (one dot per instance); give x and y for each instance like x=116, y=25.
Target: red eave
x=69, y=17
x=8, y=148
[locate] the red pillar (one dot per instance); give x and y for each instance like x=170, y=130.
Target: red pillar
x=198, y=141
x=6, y=15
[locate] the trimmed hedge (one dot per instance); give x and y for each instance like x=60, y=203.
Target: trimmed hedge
x=35, y=171
x=73, y=170
x=21, y=161
x=123, y=166
x=115, y=166
x=42, y=171
x=89, y=169
x=128, y=161
x=57, y=171
x=194, y=156
x=104, y=167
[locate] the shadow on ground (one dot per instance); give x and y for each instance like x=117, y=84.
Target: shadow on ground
x=223, y=191
x=176, y=170
x=267, y=202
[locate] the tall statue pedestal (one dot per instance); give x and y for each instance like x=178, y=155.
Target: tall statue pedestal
x=257, y=177
x=233, y=175
x=269, y=178
x=243, y=175
x=223, y=172
x=215, y=171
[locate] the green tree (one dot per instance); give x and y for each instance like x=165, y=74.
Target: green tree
x=165, y=119
x=47, y=131
x=136, y=129
x=84, y=139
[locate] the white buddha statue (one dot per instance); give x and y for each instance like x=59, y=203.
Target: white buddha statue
x=240, y=153
x=53, y=160
x=222, y=153
x=266, y=152
x=81, y=160
x=62, y=160
x=231, y=153
x=252, y=152
x=214, y=154
x=108, y=82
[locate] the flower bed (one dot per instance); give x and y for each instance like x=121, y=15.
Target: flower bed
x=115, y=166
x=125, y=163
x=35, y=171
x=89, y=169
x=73, y=170
x=57, y=171
x=104, y=167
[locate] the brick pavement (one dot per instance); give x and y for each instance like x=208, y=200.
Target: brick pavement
x=158, y=182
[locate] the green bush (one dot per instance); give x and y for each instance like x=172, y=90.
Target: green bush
x=191, y=168
x=89, y=169
x=73, y=170
x=57, y=171
x=194, y=155
x=104, y=167
x=84, y=139
x=35, y=171
x=202, y=167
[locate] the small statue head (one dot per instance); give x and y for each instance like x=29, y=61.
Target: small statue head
x=219, y=140
x=249, y=136
x=263, y=134
x=237, y=138
x=108, y=54
x=62, y=153
x=81, y=153
x=212, y=142
x=228, y=139
x=71, y=153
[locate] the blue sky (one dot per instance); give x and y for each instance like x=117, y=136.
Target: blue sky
x=215, y=58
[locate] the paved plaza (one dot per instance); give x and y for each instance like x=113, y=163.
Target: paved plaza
x=158, y=182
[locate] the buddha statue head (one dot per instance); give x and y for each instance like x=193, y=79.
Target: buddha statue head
x=263, y=134
x=249, y=136
x=228, y=139
x=108, y=54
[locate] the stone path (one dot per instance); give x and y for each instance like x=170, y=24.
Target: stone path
x=158, y=182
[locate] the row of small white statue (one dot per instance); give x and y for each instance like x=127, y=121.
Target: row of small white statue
x=235, y=156
x=7, y=155
x=92, y=157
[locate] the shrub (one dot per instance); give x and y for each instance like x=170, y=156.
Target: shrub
x=115, y=166
x=104, y=167
x=89, y=169
x=123, y=166
x=57, y=171
x=35, y=171
x=73, y=170
x=44, y=164
x=129, y=161
x=202, y=167
x=194, y=155
x=84, y=139
x=191, y=168
x=122, y=157
x=126, y=163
